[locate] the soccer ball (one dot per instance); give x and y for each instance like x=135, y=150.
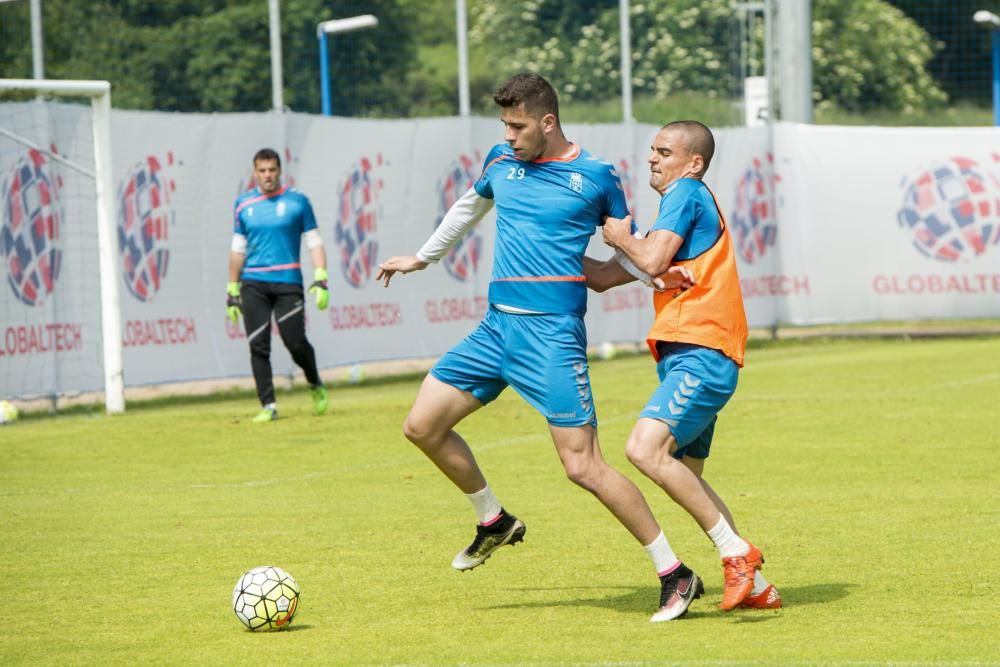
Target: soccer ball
x=356, y=374
x=8, y=413
x=266, y=598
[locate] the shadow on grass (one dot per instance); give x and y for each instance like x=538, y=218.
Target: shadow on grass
x=640, y=600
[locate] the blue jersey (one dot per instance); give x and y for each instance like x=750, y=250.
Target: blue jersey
x=547, y=210
x=688, y=209
x=273, y=226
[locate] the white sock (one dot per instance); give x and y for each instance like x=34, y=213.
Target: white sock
x=727, y=541
x=271, y=406
x=759, y=583
x=486, y=505
x=664, y=559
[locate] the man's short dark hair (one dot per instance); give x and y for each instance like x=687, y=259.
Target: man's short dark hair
x=699, y=139
x=535, y=93
x=267, y=154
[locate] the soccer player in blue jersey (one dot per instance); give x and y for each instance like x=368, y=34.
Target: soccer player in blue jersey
x=265, y=277
x=550, y=196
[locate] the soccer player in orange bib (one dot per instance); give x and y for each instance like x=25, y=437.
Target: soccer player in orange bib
x=697, y=339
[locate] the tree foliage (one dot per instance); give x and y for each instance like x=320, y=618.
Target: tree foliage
x=214, y=55
x=865, y=52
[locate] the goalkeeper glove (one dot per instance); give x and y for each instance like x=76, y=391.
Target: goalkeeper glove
x=234, y=303
x=318, y=287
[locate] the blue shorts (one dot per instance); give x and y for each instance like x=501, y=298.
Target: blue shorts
x=543, y=357
x=695, y=384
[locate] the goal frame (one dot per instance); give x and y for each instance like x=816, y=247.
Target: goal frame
x=99, y=93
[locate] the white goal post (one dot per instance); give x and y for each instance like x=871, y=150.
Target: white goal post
x=99, y=93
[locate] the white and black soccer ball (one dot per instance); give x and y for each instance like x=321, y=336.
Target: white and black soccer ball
x=266, y=598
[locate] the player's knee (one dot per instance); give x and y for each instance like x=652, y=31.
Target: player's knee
x=582, y=472
x=419, y=431
x=641, y=453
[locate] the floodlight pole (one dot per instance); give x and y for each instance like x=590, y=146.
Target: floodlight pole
x=332, y=27
x=461, y=35
x=996, y=77
x=625, y=39
x=991, y=21
x=37, y=51
x=277, y=84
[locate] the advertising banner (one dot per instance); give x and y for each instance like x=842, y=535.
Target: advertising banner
x=830, y=224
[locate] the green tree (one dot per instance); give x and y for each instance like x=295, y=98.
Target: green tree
x=213, y=55
x=865, y=52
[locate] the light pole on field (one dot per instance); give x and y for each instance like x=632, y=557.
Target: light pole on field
x=333, y=27
x=37, y=51
x=461, y=30
x=991, y=22
x=277, y=85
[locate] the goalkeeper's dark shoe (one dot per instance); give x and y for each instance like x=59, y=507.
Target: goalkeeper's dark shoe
x=266, y=415
x=507, y=529
x=678, y=590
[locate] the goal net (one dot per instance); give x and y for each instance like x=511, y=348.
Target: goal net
x=60, y=320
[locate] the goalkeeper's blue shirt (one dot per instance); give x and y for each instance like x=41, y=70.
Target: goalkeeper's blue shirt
x=273, y=226
x=547, y=210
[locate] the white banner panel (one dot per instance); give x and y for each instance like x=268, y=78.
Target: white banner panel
x=889, y=223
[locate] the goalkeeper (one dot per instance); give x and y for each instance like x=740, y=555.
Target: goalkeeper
x=265, y=277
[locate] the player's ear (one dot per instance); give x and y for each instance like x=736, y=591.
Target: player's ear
x=549, y=122
x=697, y=164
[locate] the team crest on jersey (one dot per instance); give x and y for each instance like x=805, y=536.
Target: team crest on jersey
x=576, y=182
x=280, y=208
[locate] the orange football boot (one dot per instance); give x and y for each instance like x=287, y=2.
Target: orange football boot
x=738, y=573
x=769, y=598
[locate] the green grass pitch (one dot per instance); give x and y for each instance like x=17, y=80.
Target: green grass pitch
x=868, y=472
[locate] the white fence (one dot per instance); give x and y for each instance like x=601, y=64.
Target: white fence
x=832, y=225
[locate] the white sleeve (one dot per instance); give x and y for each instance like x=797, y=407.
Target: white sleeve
x=313, y=239
x=627, y=264
x=460, y=218
x=239, y=244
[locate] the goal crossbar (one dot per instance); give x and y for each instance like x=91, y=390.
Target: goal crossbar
x=99, y=93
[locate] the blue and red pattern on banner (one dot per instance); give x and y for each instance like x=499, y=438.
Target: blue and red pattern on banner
x=359, y=212
x=145, y=215
x=29, y=234
x=952, y=209
x=754, y=221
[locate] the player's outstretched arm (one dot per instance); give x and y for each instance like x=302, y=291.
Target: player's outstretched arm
x=602, y=276
x=398, y=264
